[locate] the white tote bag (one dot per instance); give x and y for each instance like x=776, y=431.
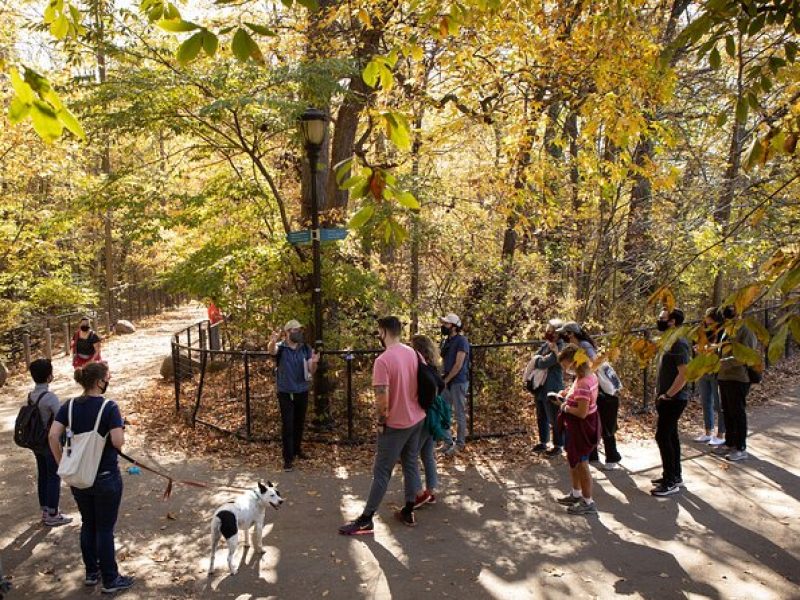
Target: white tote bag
x=82, y=452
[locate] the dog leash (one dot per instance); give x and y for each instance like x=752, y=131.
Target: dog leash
x=171, y=480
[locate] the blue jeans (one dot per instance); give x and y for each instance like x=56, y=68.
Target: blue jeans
x=99, y=506
x=547, y=420
x=426, y=447
x=48, y=481
x=709, y=398
x=456, y=396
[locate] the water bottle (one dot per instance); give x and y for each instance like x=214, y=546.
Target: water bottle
x=134, y=470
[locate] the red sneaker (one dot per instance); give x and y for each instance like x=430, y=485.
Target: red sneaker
x=424, y=498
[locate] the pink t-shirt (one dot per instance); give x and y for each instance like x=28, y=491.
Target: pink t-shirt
x=397, y=369
x=585, y=388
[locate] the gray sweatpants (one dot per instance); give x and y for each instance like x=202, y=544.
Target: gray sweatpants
x=393, y=444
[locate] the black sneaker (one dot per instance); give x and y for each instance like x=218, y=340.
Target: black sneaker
x=666, y=489
x=122, y=582
x=553, y=452
x=361, y=526
x=568, y=500
x=540, y=448
x=660, y=480
x=92, y=579
x=287, y=466
x=406, y=517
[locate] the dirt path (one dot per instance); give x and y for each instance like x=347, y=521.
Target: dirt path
x=495, y=533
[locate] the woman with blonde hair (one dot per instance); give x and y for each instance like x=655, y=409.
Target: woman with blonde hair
x=433, y=422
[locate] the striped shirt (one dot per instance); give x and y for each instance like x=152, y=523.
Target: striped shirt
x=585, y=388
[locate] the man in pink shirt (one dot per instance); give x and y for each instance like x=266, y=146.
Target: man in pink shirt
x=399, y=422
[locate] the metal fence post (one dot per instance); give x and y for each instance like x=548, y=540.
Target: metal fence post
x=349, y=358
x=176, y=371
x=247, y=393
x=471, y=400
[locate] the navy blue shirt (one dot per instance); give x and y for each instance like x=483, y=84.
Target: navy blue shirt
x=291, y=372
x=450, y=349
x=84, y=414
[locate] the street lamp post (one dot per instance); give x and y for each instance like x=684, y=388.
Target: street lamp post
x=313, y=123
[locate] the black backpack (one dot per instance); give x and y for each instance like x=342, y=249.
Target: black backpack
x=29, y=429
x=429, y=384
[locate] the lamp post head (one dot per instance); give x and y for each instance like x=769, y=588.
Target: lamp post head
x=312, y=125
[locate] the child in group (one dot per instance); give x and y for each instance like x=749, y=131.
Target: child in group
x=579, y=419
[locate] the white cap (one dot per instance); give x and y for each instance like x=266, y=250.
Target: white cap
x=293, y=324
x=452, y=318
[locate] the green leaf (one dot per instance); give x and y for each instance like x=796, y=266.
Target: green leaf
x=754, y=154
x=408, y=200
x=730, y=46
x=387, y=78
x=71, y=123
x=176, y=25
x=702, y=364
x=241, y=45
x=261, y=29
x=18, y=110
x=714, y=59
x=361, y=217
x=741, y=110
x=794, y=327
x=777, y=344
x=45, y=122
x=60, y=27
x=21, y=87
x=745, y=354
x=309, y=4
x=758, y=329
x=722, y=118
x=352, y=182
x=399, y=130
x=210, y=43
x=370, y=73
x=171, y=12
x=792, y=280
x=190, y=48
x=342, y=170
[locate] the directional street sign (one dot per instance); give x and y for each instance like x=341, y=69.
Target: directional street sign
x=304, y=236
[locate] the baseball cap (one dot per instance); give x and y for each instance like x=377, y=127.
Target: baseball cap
x=451, y=318
x=569, y=327
x=293, y=324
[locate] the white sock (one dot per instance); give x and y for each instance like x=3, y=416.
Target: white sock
x=576, y=493
x=587, y=500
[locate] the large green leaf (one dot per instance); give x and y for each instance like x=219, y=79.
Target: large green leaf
x=777, y=344
x=177, y=25
x=758, y=329
x=18, y=110
x=745, y=354
x=45, y=122
x=21, y=87
x=408, y=200
x=399, y=130
x=361, y=217
x=190, y=48
x=370, y=73
x=210, y=43
x=701, y=365
x=71, y=123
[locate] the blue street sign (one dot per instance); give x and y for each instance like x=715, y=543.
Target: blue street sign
x=331, y=235
x=299, y=237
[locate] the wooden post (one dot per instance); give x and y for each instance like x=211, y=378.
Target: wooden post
x=48, y=343
x=66, y=339
x=26, y=347
x=109, y=323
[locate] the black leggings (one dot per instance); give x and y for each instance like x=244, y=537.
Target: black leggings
x=608, y=409
x=293, y=417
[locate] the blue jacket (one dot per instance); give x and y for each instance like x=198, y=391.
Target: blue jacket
x=547, y=359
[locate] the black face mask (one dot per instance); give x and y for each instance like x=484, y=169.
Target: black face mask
x=297, y=337
x=662, y=325
x=445, y=330
x=85, y=328
x=102, y=386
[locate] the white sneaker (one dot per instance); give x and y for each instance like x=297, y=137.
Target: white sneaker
x=736, y=455
x=611, y=466
x=703, y=438
x=715, y=441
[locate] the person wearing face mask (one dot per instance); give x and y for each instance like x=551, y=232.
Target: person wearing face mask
x=455, y=358
x=296, y=365
x=708, y=386
x=579, y=418
x=670, y=404
x=85, y=344
x=734, y=384
x=546, y=359
x=98, y=504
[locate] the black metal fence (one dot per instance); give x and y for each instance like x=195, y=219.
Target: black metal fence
x=49, y=335
x=233, y=390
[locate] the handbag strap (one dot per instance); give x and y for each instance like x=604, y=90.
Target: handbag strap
x=100, y=414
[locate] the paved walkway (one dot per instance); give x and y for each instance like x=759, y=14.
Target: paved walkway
x=496, y=532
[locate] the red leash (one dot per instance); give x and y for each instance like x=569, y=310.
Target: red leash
x=171, y=480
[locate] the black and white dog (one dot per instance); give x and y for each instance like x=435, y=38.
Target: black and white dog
x=246, y=511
